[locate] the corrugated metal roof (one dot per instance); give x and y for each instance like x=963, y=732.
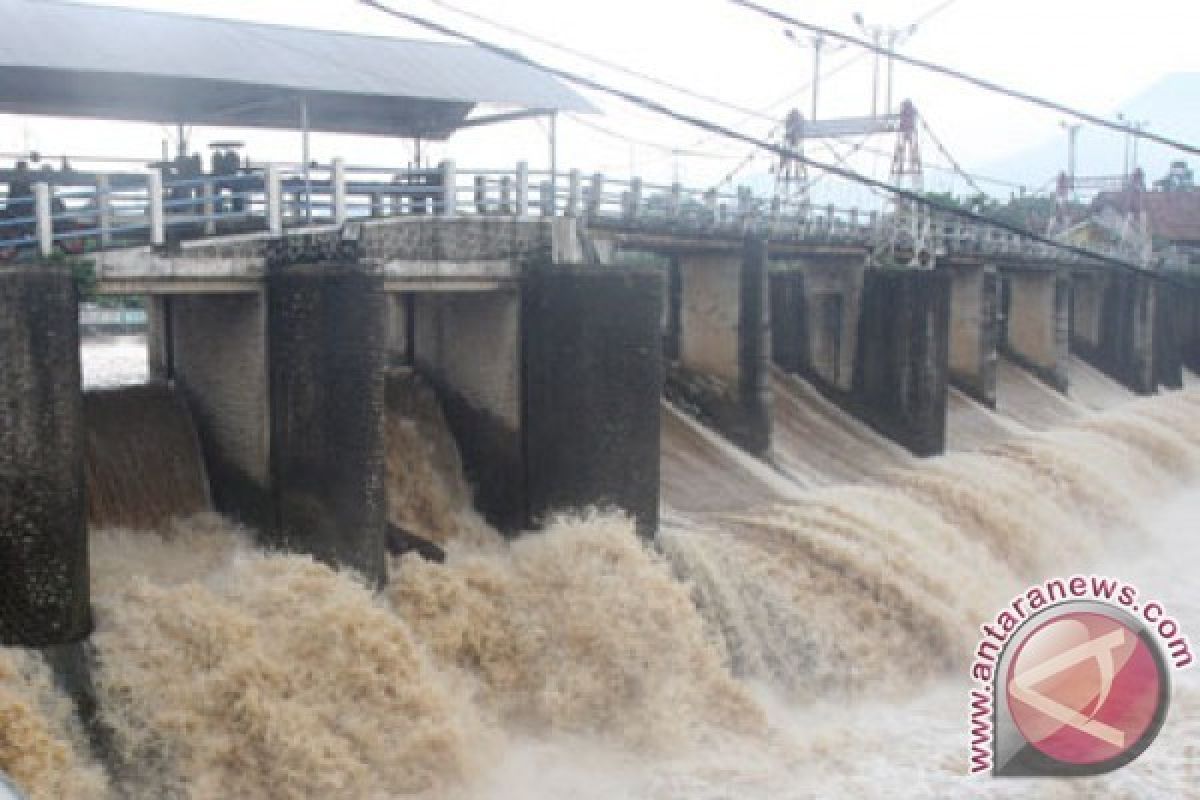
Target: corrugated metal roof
x=50, y=42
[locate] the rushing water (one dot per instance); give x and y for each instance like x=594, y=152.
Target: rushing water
x=793, y=636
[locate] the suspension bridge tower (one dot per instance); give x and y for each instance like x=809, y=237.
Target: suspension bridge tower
x=910, y=239
x=791, y=174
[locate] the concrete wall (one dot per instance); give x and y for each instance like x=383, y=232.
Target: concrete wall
x=672, y=312
x=44, y=581
x=1087, y=308
x=325, y=339
x=1183, y=299
x=974, y=306
x=220, y=365
x=724, y=343
x=398, y=334
x=902, y=359
x=1037, y=323
x=710, y=309
x=159, y=351
x=1168, y=346
x=461, y=245
x=873, y=341
x=468, y=344
x=832, y=302
x=1121, y=325
x=593, y=383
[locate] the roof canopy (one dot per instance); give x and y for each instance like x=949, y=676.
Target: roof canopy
x=66, y=59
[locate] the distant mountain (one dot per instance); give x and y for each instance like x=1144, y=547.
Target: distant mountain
x=1172, y=107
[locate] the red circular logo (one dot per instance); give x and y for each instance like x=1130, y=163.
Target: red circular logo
x=1084, y=688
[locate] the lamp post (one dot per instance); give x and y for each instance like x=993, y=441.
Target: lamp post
x=1132, y=128
x=894, y=37
x=818, y=43
x=1072, y=129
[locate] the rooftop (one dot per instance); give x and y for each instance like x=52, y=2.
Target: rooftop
x=69, y=59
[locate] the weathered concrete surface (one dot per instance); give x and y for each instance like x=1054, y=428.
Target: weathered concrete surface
x=672, y=312
x=875, y=342
x=159, y=349
x=814, y=320
x=1183, y=299
x=974, y=327
x=1121, y=324
x=219, y=360
x=1036, y=327
x=44, y=580
x=593, y=383
x=413, y=252
x=325, y=339
x=901, y=367
x=1167, y=347
x=399, y=336
x=468, y=345
x=444, y=245
x=722, y=373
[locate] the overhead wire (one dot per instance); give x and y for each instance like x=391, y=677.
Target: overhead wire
x=981, y=83
x=764, y=113
x=713, y=127
x=946, y=153
x=595, y=59
x=861, y=54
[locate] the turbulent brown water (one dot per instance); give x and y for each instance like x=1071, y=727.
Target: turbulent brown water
x=41, y=746
x=785, y=643
x=143, y=458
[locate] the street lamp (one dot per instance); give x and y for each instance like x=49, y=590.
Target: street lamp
x=1072, y=129
x=1132, y=128
x=818, y=43
x=894, y=37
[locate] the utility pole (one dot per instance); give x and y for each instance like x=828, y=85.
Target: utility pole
x=1072, y=129
x=894, y=36
x=1138, y=127
x=818, y=44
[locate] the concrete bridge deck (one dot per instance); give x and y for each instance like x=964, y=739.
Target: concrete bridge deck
x=100, y=212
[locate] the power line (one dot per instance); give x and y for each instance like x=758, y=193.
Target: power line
x=957, y=169
x=837, y=68
x=666, y=148
x=713, y=127
x=604, y=62
x=921, y=20
x=981, y=83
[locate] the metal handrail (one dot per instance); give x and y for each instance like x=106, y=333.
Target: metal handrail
x=288, y=193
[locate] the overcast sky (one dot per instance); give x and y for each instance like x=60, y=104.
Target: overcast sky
x=1093, y=55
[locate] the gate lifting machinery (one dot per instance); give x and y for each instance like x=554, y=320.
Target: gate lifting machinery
x=907, y=225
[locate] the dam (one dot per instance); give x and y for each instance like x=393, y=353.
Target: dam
x=716, y=518
x=463, y=482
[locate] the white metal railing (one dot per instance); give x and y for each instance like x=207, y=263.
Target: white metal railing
x=123, y=209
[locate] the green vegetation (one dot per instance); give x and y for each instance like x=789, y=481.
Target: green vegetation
x=1032, y=212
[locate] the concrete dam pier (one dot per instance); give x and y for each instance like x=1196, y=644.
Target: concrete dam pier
x=549, y=342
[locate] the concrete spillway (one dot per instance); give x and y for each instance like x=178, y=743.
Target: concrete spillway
x=818, y=444
x=143, y=459
x=1027, y=400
